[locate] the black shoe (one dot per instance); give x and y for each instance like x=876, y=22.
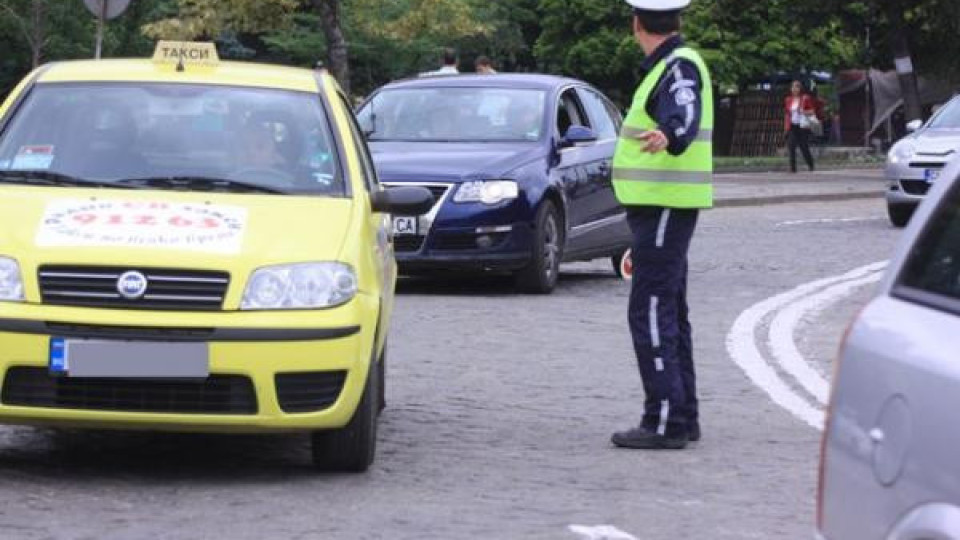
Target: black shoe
x=694, y=432
x=644, y=439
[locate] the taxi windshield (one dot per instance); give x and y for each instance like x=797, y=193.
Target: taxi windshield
x=174, y=136
x=454, y=115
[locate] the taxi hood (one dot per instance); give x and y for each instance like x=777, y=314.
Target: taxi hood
x=153, y=228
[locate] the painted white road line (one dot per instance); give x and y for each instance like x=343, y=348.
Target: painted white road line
x=784, y=326
x=742, y=345
x=600, y=532
x=828, y=220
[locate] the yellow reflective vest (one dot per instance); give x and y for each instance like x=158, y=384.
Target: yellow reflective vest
x=661, y=179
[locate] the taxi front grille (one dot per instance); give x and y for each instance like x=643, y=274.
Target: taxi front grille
x=218, y=394
x=167, y=289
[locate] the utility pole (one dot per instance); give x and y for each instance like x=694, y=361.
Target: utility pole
x=904, y=63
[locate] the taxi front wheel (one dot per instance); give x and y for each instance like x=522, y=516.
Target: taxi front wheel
x=353, y=447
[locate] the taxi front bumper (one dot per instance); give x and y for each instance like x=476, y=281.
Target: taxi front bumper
x=269, y=371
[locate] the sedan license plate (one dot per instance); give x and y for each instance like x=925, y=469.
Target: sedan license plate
x=405, y=226
x=89, y=358
x=931, y=175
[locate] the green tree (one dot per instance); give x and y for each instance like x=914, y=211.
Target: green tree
x=209, y=19
x=742, y=40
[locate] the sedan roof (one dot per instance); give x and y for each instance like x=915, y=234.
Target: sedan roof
x=500, y=80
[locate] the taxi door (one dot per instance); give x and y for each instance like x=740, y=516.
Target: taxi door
x=378, y=226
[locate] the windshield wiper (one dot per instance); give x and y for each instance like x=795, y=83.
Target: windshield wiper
x=47, y=178
x=200, y=183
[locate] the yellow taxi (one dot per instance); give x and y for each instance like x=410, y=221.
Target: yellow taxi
x=194, y=245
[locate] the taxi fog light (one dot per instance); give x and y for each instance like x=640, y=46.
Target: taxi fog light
x=487, y=191
x=11, y=282
x=300, y=286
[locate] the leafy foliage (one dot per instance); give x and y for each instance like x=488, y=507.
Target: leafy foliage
x=743, y=40
x=205, y=19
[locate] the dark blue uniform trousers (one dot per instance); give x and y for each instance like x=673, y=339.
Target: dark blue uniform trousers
x=658, y=316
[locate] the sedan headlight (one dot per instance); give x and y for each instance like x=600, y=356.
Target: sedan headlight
x=902, y=151
x=11, y=282
x=300, y=286
x=487, y=191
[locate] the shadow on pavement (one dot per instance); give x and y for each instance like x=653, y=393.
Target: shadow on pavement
x=82, y=454
x=491, y=285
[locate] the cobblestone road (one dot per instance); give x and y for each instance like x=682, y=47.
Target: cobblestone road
x=500, y=411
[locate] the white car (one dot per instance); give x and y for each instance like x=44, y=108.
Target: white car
x=915, y=162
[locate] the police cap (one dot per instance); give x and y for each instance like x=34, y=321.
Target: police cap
x=659, y=5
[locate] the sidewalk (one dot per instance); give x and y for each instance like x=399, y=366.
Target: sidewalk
x=754, y=189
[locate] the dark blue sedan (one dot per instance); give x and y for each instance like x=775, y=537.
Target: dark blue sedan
x=520, y=167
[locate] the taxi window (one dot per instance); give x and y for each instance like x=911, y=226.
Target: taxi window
x=932, y=272
x=123, y=132
x=363, y=154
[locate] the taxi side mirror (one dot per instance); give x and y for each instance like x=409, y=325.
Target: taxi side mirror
x=402, y=201
x=914, y=125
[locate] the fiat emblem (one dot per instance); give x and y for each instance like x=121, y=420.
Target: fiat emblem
x=132, y=285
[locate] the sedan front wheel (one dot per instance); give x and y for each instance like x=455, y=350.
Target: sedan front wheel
x=540, y=276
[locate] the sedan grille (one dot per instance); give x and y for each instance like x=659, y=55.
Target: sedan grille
x=167, y=289
x=438, y=190
x=915, y=187
x=407, y=244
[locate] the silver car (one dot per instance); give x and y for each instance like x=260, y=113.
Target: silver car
x=890, y=467
x=915, y=162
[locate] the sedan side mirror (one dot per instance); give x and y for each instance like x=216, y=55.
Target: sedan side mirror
x=914, y=125
x=577, y=135
x=402, y=201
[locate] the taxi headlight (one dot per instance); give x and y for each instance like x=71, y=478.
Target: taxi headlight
x=487, y=191
x=11, y=283
x=901, y=151
x=300, y=286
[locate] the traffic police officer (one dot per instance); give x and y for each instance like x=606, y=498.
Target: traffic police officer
x=662, y=174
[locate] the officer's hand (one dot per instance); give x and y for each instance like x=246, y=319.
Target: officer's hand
x=656, y=141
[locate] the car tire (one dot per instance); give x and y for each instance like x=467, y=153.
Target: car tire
x=540, y=276
x=353, y=447
x=382, y=380
x=900, y=214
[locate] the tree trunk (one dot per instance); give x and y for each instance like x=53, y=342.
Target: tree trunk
x=38, y=39
x=901, y=55
x=337, y=55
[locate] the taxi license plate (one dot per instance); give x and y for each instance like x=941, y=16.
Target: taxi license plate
x=931, y=175
x=90, y=358
x=405, y=226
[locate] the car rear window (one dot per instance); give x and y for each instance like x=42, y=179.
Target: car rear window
x=114, y=132
x=932, y=272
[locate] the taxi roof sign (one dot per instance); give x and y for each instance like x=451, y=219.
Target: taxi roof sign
x=186, y=53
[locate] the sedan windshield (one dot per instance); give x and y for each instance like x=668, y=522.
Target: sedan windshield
x=454, y=115
x=948, y=117
x=172, y=136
